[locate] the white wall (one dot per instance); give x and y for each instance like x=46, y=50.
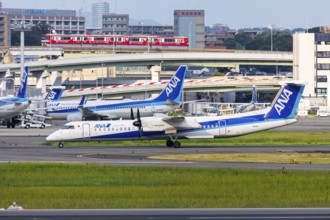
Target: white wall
x=304, y=60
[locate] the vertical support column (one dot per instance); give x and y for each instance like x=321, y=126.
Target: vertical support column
x=237, y=68
x=56, y=78
x=41, y=80
x=155, y=73
x=111, y=72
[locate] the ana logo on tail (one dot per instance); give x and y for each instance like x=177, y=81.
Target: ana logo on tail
x=282, y=101
x=24, y=76
x=172, y=85
x=51, y=95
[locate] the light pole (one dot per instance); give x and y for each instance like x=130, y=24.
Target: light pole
x=102, y=83
x=271, y=36
x=22, y=27
x=113, y=38
x=190, y=35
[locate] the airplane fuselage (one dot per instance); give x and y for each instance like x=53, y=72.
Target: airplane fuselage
x=112, y=109
x=12, y=107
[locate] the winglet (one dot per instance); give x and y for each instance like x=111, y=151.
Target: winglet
x=24, y=80
x=287, y=100
x=173, y=89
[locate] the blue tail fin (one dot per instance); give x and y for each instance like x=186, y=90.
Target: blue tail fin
x=173, y=89
x=83, y=101
x=55, y=93
x=24, y=80
x=286, y=101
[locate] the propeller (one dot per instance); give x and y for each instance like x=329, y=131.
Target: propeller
x=132, y=114
x=138, y=122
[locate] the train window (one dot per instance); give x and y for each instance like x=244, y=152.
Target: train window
x=134, y=39
x=169, y=40
x=65, y=38
x=45, y=38
x=99, y=38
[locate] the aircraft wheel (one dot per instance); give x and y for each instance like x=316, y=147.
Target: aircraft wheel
x=169, y=143
x=8, y=124
x=177, y=144
x=60, y=145
x=13, y=125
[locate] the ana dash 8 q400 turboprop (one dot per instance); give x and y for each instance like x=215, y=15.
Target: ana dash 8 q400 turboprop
x=280, y=113
x=168, y=100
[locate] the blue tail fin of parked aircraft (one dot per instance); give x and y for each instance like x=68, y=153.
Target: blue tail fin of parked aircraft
x=83, y=101
x=24, y=80
x=287, y=101
x=173, y=89
x=55, y=94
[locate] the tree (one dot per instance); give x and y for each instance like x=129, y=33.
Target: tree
x=230, y=43
x=33, y=37
x=242, y=39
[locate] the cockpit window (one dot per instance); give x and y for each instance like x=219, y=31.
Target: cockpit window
x=67, y=127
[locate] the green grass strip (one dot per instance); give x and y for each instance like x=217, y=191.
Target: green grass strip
x=67, y=186
x=270, y=138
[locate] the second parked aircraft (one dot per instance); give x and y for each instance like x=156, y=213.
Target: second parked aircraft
x=168, y=100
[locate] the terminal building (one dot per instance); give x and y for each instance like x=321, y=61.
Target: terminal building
x=311, y=63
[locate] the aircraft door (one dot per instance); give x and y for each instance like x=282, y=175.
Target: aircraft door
x=222, y=127
x=86, y=131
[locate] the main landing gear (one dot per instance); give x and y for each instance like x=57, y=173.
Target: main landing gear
x=60, y=145
x=173, y=142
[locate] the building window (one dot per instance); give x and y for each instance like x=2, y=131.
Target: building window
x=321, y=91
x=323, y=54
x=323, y=66
x=322, y=79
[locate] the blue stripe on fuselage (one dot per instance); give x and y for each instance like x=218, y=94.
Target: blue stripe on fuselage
x=96, y=108
x=207, y=125
x=13, y=100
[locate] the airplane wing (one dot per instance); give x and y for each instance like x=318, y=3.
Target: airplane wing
x=5, y=102
x=169, y=124
x=89, y=114
x=18, y=103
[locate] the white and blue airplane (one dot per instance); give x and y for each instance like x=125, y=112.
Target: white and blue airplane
x=280, y=113
x=13, y=106
x=168, y=100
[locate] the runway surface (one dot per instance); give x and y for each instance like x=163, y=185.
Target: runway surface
x=19, y=145
x=161, y=214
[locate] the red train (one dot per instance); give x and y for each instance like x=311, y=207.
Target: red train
x=113, y=40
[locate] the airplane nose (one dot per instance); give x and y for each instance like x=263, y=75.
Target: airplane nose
x=52, y=137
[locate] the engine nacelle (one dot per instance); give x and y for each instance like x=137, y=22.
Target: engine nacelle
x=74, y=117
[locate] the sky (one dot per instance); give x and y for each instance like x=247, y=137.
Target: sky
x=235, y=13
